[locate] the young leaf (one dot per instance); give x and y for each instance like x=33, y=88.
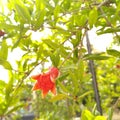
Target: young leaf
x=93, y=17
x=87, y=115
x=100, y=118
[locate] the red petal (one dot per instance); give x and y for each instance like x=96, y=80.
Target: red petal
x=36, y=86
x=36, y=77
x=54, y=72
x=46, y=81
x=44, y=93
x=53, y=90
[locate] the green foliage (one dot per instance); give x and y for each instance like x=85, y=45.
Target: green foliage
x=51, y=33
x=87, y=115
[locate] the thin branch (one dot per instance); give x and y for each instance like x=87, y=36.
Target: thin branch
x=103, y=3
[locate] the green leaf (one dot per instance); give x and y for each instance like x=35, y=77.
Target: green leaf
x=100, y=118
x=40, y=5
x=9, y=26
x=14, y=108
x=64, y=89
x=55, y=58
x=80, y=69
x=84, y=94
x=4, y=50
x=40, y=13
x=56, y=11
x=96, y=57
x=5, y=64
x=81, y=19
x=23, y=12
x=108, y=30
x=39, y=19
x=93, y=15
x=75, y=82
x=110, y=114
x=51, y=44
x=113, y=52
x=66, y=4
x=2, y=84
x=59, y=97
x=87, y=115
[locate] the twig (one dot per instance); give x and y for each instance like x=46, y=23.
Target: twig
x=103, y=3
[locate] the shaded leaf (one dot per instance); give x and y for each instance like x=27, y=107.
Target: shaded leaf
x=113, y=52
x=96, y=57
x=63, y=87
x=85, y=94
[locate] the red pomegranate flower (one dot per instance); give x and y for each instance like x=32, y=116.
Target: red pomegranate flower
x=46, y=81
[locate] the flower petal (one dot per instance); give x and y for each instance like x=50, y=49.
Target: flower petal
x=36, y=86
x=53, y=90
x=36, y=77
x=44, y=93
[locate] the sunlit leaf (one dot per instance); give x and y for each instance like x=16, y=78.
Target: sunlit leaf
x=5, y=64
x=23, y=12
x=93, y=17
x=59, y=97
x=51, y=44
x=55, y=58
x=56, y=11
x=87, y=115
x=100, y=118
x=4, y=50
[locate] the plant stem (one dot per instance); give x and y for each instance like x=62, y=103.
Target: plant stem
x=92, y=70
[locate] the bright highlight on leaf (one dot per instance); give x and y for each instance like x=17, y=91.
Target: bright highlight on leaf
x=46, y=81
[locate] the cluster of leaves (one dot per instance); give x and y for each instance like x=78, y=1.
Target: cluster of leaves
x=67, y=22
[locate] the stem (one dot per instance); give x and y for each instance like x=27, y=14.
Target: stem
x=92, y=70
